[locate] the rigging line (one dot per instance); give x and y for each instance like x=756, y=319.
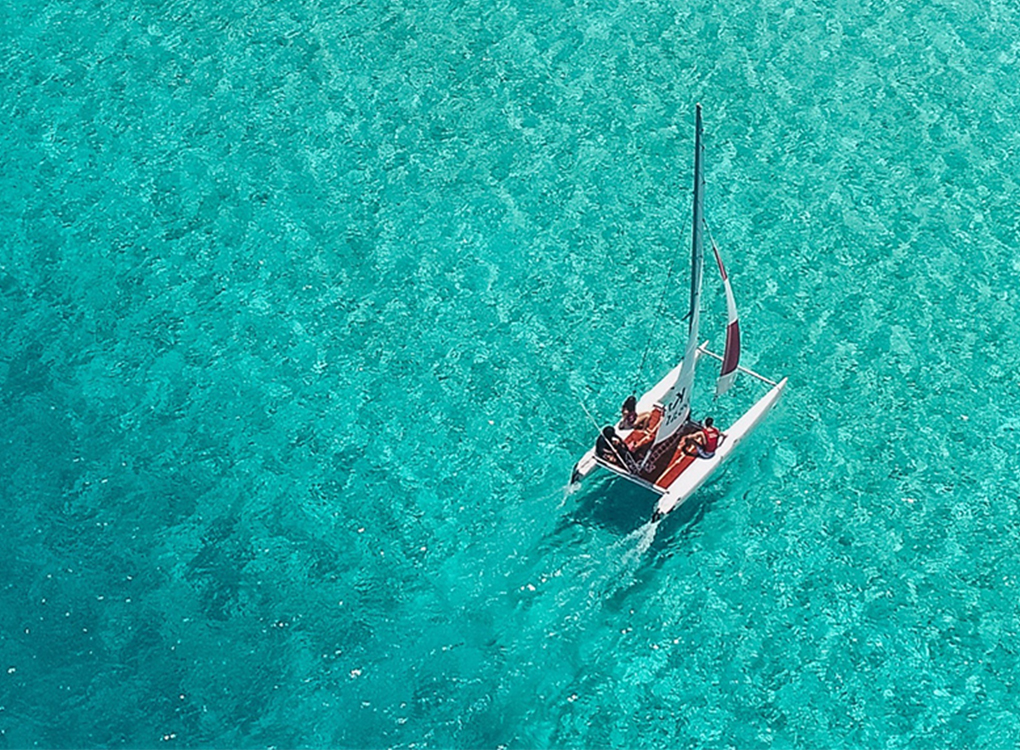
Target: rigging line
x=599, y=430
x=658, y=313
x=710, y=237
x=585, y=408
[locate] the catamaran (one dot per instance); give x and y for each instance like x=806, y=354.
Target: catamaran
x=666, y=452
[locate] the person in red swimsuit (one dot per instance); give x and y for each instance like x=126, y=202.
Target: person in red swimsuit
x=704, y=442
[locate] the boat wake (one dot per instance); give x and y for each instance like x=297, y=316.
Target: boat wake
x=643, y=536
x=569, y=489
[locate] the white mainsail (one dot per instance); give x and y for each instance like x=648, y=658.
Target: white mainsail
x=676, y=403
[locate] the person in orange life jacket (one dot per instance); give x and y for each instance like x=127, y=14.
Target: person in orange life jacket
x=611, y=447
x=703, y=442
x=630, y=419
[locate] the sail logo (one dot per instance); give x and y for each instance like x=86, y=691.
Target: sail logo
x=676, y=402
x=673, y=412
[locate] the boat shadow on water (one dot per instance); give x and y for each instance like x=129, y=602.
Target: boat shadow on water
x=612, y=504
x=622, y=508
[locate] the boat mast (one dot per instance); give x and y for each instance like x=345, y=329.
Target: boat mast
x=676, y=403
x=697, y=240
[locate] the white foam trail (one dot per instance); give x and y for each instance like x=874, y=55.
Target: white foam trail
x=644, y=536
x=568, y=490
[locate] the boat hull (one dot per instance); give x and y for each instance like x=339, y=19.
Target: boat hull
x=695, y=475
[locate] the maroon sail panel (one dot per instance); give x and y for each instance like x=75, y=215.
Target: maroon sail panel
x=731, y=355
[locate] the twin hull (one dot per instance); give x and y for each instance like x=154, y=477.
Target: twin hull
x=701, y=469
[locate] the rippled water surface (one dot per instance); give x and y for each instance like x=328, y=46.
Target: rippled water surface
x=301, y=302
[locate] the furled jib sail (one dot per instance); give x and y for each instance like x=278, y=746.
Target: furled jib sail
x=676, y=403
x=731, y=355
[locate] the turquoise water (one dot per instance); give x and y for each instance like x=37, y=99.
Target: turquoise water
x=300, y=300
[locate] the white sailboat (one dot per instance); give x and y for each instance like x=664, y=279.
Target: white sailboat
x=661, y=456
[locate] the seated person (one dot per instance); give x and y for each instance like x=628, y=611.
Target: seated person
x=630, y=419
x=642, y=437
x=610, y=447
x=704, y=442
